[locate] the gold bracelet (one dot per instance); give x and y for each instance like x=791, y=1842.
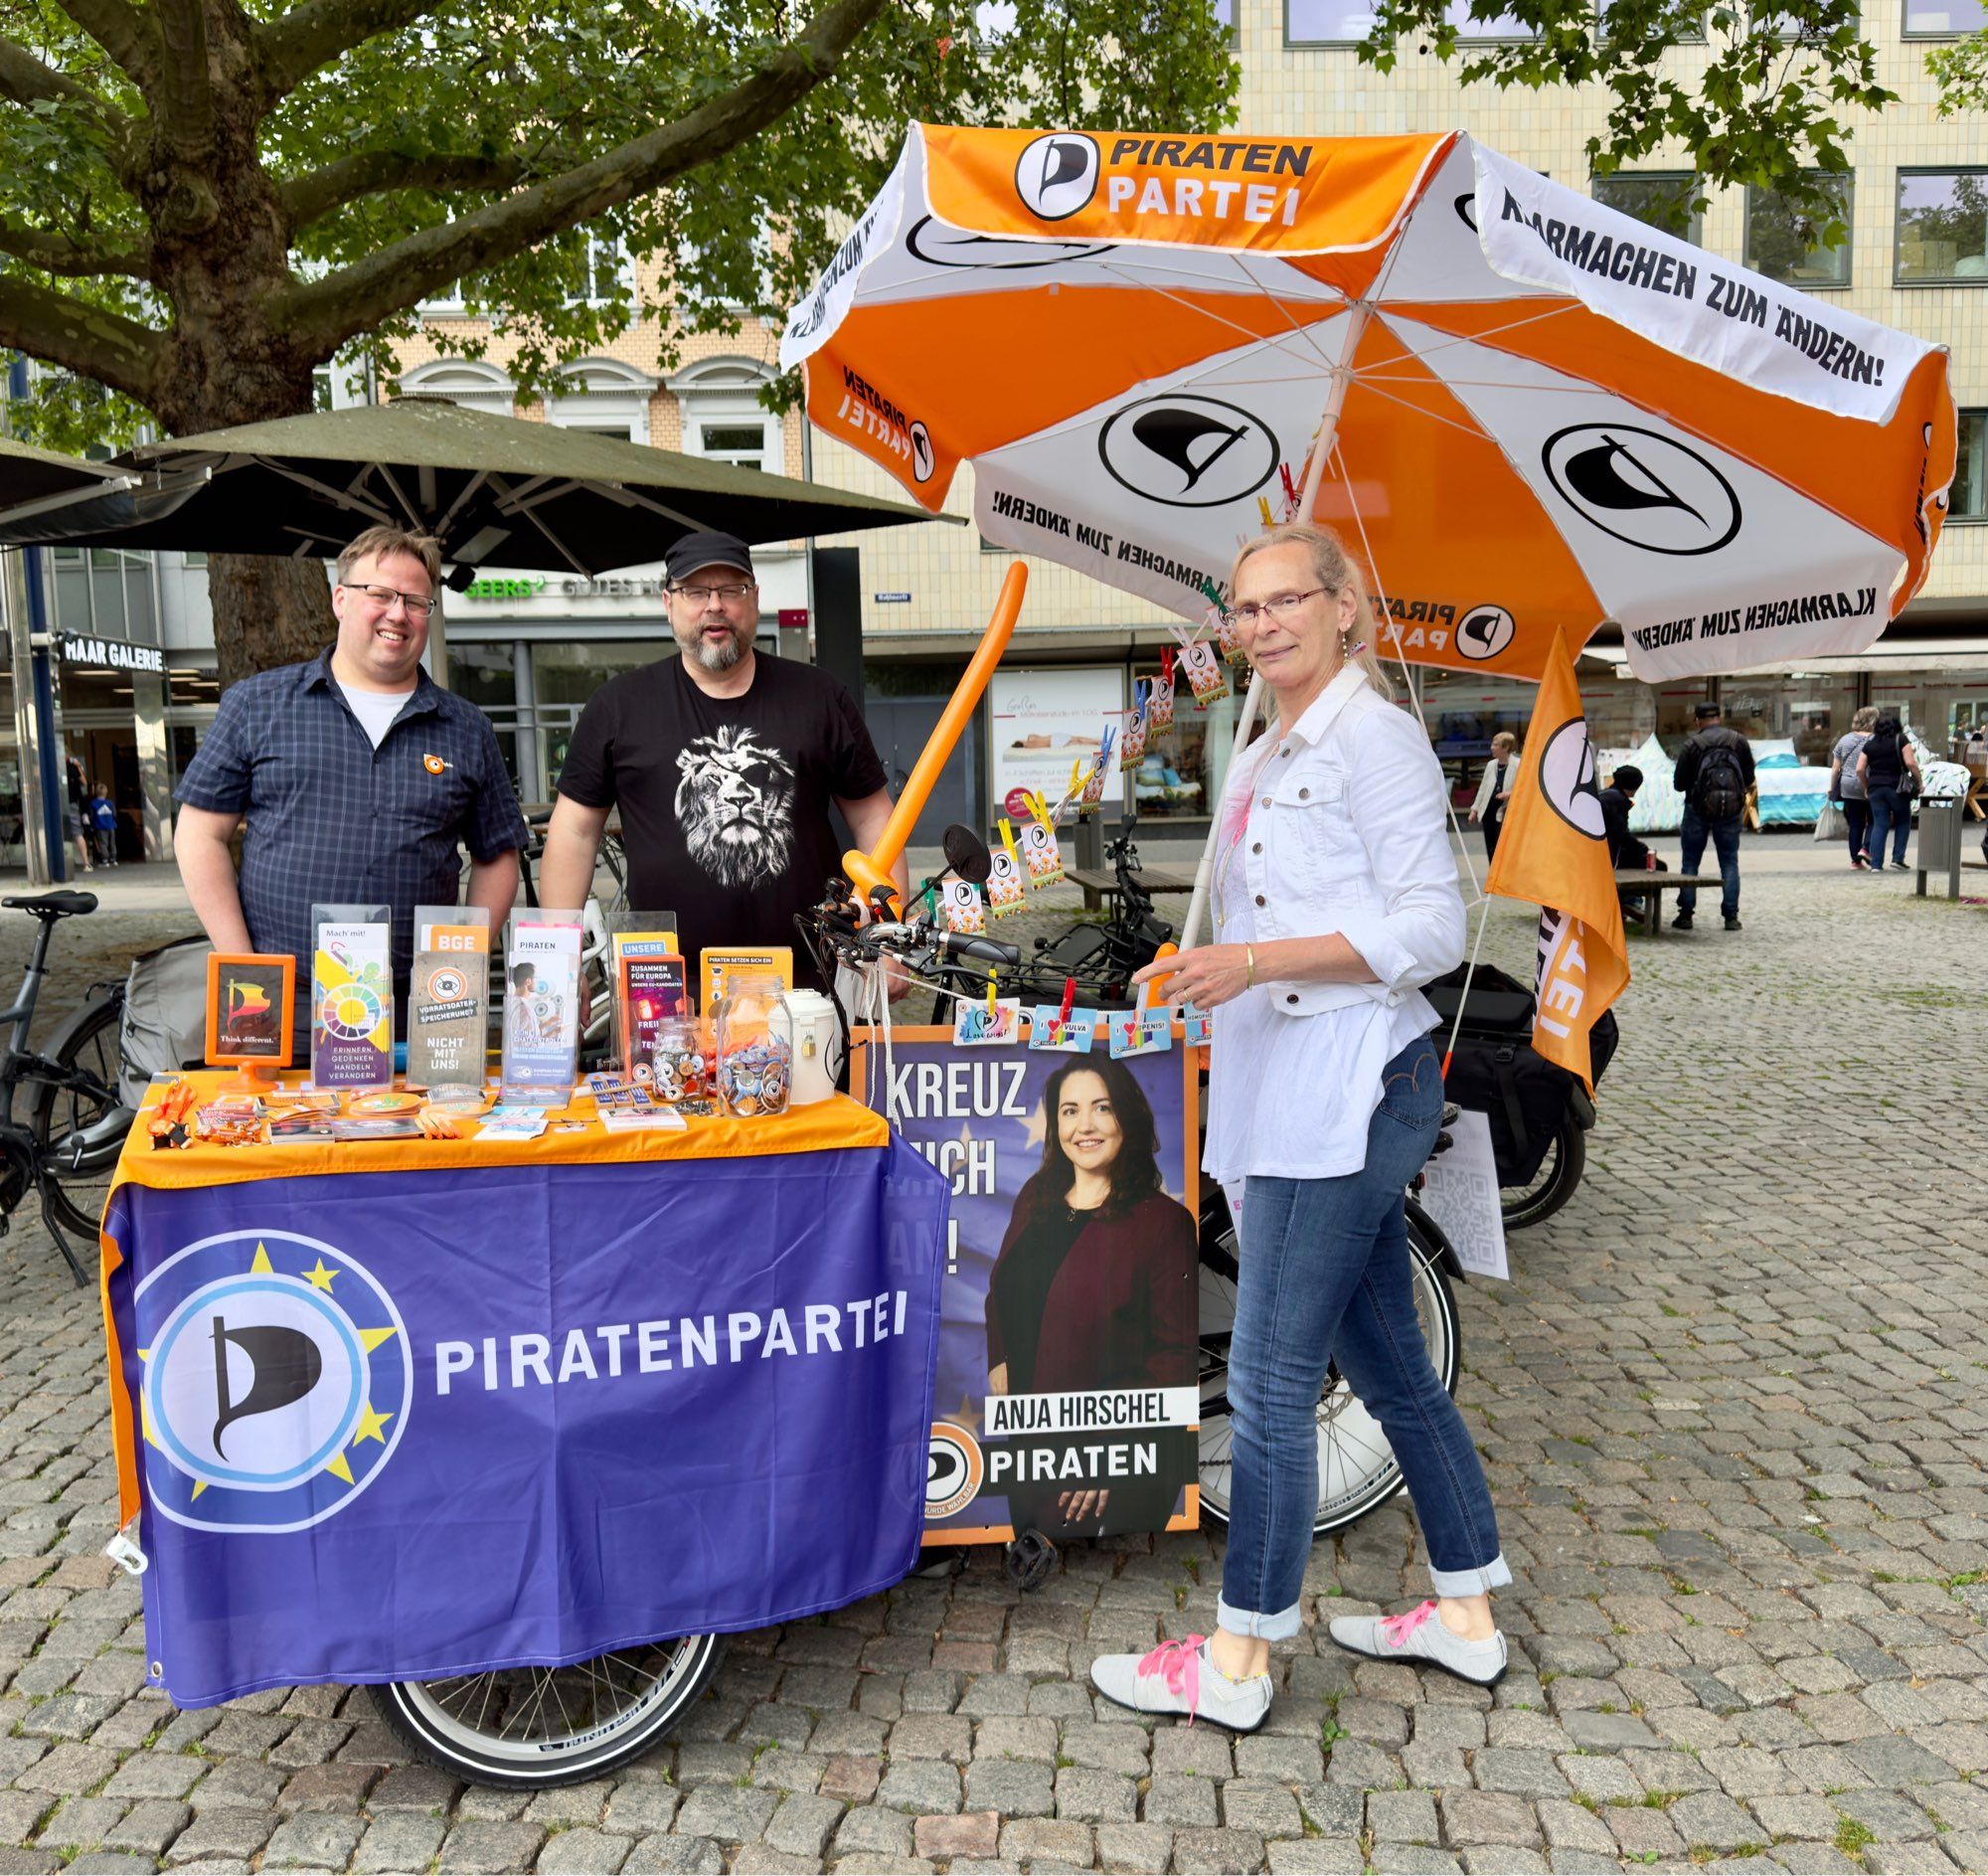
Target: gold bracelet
x=1249, y=966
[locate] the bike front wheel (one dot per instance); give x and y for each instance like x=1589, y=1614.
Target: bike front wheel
x=87, y=1043
x=533, y=1728
x=1357, y=1469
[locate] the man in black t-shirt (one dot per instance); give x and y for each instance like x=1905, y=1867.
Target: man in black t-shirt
x=723, y=765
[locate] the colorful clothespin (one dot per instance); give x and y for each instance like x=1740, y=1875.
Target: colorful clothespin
x=993, y=1011
x=1213, y=593
x=1264, y=509
x=1290, y=488
x=1068, y=1001
x=1167, y=662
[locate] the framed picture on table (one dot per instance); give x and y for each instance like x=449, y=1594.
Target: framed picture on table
x=249, y=1014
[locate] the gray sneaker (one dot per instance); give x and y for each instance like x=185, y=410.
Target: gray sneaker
x=1178, y=1677
x=1418, y=1636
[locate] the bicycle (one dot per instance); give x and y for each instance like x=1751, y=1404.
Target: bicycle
x=1100, y=959
x=75, y=1116
x=533, y=1728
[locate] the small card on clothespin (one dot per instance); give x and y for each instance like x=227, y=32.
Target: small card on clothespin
x=1089, y=795
x=1041, y=855
x=1204, y=671
x=1160, y=699
x=1132, y=745
x=1148, y=1027
x=1062, y=1027
x=1007, y=891
x=1197, y=1025
x=965, y=911
x=995, y=1022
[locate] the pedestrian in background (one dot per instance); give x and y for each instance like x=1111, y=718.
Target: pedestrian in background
x=1713, y=771
x=76, y=824
x=1494, y=789
x=1846, y=784
x=1889, y=767
x=102, y=815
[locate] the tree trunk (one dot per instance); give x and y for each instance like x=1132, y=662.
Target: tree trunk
x=269, y=609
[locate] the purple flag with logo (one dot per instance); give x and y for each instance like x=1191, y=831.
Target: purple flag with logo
x=399, y=1427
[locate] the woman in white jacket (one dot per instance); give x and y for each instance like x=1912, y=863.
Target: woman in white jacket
x=1494, y=789
x=1335, y=900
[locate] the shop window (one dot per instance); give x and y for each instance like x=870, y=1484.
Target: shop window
x=1944, y=19
x=1967, y=500
x=1657, y=198
x=565, y=676
x=1183, y=770
x=1348, y=22
x=1788, y=243
x=1943, y=229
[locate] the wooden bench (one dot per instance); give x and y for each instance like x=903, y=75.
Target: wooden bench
x=1101, y=884
x=1653, y=886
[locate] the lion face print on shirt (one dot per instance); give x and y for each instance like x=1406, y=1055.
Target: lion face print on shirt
x=735, y=805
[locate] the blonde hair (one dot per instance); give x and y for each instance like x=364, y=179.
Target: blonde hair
x=379, y=543
x=1504, y=737
x=1334, y=567
x=1865, y=718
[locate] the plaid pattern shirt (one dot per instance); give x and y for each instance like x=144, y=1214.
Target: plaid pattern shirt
x=331, y=820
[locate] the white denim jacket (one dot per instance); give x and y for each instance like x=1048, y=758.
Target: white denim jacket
x=1347, y=832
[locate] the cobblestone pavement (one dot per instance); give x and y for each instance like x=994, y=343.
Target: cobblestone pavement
x=1731, y=1408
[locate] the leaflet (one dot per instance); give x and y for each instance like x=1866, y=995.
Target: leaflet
x=352, y=997
x=448, y=997
x=541, y=1002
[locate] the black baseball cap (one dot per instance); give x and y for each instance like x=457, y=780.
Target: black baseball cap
x=708, y=550
x=1706, y=712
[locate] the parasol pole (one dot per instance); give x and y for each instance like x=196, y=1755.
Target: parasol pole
x=1358, y=315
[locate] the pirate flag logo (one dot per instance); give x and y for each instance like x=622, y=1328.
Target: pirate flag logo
x=275, y=1381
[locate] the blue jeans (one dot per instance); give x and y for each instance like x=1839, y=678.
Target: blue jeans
x=1856, y=818
x=1324, y=1274
x=1725, y=843
x=1891, y=814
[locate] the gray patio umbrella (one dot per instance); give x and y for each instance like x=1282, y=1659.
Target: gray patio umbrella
x=37, y=481
x=494, y=491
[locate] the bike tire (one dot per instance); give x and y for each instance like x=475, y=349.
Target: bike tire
x=430, y=1717
x=1358, y=1471
x=1553, y=1184
x=87, y=1040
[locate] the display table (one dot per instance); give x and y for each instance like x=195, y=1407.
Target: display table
x=428, y=1407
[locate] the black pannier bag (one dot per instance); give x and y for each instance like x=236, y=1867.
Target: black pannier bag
x=1496, y=1071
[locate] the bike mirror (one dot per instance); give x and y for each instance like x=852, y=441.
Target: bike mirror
x=967, y=853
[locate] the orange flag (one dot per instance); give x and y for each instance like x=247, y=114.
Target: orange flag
x=1554, y=852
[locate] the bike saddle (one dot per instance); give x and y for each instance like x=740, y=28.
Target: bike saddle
x=57, y=904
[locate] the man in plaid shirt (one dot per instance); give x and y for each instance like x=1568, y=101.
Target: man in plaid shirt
x=357, y=774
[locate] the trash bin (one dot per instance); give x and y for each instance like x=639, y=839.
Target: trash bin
x=1941, y=823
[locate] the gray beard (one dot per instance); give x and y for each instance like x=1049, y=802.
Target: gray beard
x=718, y=659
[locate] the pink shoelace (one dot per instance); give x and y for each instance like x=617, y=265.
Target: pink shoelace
x=1179, y=1664
x=1398, y=1629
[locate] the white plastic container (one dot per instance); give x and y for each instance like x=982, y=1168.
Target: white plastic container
x=805, y=1019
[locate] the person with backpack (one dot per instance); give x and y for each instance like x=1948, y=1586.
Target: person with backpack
x=1889, y=767
x=1713, y=771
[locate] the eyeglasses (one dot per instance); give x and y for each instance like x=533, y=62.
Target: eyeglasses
x=703, y=595
x=1285, y=607
x=417, y=605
